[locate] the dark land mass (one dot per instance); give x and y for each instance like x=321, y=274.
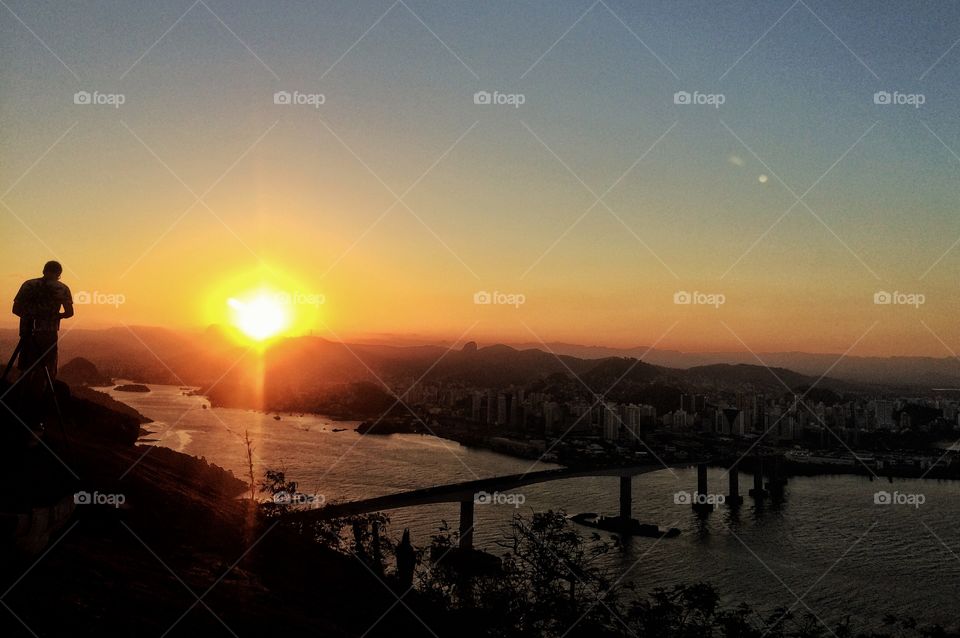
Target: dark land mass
x=303, y=384
x=199, y=358
x=132, y=387
x=82, y=372
x=180, y=531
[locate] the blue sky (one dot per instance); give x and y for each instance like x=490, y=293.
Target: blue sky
x=499, y=193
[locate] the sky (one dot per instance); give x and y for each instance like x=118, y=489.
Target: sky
x=586, y=202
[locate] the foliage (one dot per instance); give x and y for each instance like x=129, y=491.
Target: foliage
x=550, y=582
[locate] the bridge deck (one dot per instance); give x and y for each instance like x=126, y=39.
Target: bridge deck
x=457, y=492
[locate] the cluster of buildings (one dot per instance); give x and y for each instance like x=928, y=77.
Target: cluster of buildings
x=784, y=418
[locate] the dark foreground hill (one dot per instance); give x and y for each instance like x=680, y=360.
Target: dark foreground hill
x=152, y=532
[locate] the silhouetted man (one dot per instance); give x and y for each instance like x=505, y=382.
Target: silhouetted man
x=38, y=304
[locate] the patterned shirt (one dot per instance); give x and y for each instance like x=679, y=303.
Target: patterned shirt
x=38, y=304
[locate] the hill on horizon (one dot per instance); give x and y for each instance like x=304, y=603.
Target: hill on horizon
x=160, y=355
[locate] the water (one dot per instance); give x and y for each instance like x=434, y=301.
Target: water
x=827, y=543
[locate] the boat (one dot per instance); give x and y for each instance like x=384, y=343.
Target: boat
x=339, y=429
x=615, y=524
x=276, y=417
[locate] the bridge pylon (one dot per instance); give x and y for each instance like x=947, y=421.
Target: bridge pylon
x=700, y=503
x=466, y=524
x=733, y=497
x=626, y=498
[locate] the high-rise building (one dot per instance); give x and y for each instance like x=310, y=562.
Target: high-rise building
x=730, y=421
x=759, y=409
x=884, y=414
x=502, y=407
x=905, y=421
x=692, y=403
x=679, y=420
x=552, y=417
x=514, y=410
x=611, y=422
x=476, y=400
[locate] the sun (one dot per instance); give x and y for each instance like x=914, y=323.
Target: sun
x=260, y=316
x=262, y=304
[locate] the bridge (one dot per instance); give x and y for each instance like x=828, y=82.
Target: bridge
x=466, y=492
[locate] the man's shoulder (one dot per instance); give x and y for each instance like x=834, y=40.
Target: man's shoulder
x=62, y=290
x=31, y=284
x=44, y=287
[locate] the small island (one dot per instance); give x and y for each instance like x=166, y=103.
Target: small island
x=392, y=426
x=132, y=387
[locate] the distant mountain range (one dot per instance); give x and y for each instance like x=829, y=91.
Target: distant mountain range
x=160, y=355
x=901, y=372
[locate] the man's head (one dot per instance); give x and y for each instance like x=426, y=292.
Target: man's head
x=52, y=270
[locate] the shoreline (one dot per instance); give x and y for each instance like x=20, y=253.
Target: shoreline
x=468, y=435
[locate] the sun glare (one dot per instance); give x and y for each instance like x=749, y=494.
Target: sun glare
x=261, y=316
x=262, y=304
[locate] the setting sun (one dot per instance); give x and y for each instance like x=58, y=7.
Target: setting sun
x=259, y=317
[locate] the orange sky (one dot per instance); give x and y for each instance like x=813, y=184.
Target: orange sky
x=400, y=197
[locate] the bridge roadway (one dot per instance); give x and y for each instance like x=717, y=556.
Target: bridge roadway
x=465, y=492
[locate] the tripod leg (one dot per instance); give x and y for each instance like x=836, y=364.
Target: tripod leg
x=13, y=357
x=56, y=403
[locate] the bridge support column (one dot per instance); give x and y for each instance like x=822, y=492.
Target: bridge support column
x=776, y=479
x=626, y=498
x=700, y=503
x=758, y=492
x=466, y=524
x=733, y=498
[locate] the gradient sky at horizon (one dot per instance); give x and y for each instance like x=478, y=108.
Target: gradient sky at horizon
x=495, y=199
